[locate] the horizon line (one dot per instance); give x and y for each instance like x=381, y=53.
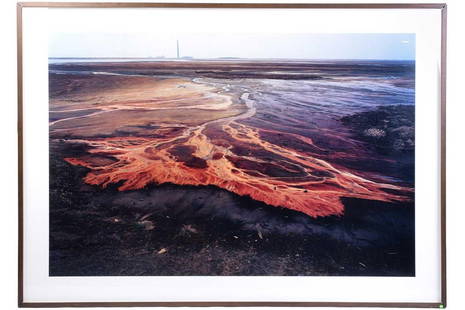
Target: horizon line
x=184, y=58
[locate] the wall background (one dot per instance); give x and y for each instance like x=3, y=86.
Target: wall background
x=455, y=151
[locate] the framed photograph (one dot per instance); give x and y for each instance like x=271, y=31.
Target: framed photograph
x=176, y=154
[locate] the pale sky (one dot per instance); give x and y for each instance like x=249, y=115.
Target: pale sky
x=384, y=46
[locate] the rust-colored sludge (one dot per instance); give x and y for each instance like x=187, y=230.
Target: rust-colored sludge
x=142, y=130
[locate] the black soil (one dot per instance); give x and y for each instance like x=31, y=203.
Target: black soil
x=388, y=131
x=180, y=230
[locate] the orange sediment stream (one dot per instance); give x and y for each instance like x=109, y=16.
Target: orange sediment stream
x=200, y=147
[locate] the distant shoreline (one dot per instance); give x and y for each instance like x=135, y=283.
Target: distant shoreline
x=225, y=59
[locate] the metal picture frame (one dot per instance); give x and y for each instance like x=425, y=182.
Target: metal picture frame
x=233, y=303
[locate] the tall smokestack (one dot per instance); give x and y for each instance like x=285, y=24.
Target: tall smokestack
x=177, y=48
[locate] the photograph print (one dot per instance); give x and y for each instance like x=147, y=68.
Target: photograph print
x=231, y=154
